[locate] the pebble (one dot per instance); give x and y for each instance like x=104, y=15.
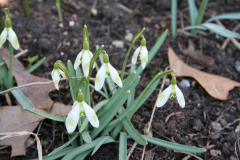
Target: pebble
x=129, y=37
x=29, y=142
x=194, y=84
x=198, y=125
x=237, y=130
x=44, y=43
x=118, y=43
x=60, y=25
x=233, y=158
x=216, y=126
x=223, y=122
x=214, y=152
x=185, y=83
x=65, y=33
x=237, y=66
x=215, y=135
x=71, y=23
x=62, y=53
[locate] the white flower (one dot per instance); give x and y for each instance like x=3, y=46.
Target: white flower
x=105, y=71
x=85, y=57
x=56, y=72
x=171, y=91
x=142, y=52
x=80, y=109
x=9, y=34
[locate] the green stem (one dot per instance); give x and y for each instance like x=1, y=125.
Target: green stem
x=59, y=10
x=26, y=8
x=10, y=77
x=125, y=61
x=174, y=18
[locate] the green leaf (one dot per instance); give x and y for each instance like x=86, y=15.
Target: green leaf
x=86, y=137
x=132, y=94
x=194, y=27
x=79, y=74
x=100, y=143
x=138, y=35
x=225, y=16
x=96, y=108
x=193, y=12
x=49, y=116
x=174, y=146
x=85, y=147
x=174, y=18
x=59, y=154
x=116, y=130
x=101, y=92
x=108, y=115
x=220, y=30
x=154, y=50
x=83, y=155
x=64, y=145
x=36, y=65
x=72, y=81
x=22, y=99
x=123, y=146
x=4, y=73
x=133, y=132
x=31, y=60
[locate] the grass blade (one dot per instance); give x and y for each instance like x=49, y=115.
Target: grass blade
x=174, y=146
x=36, y=65
x=193, y=12
x=174, y=18
x=100, y=143
x=123, y=146
x=22, y=99
x=224, y=16
x=200, y=15
x=83, y=155
x=72, y=81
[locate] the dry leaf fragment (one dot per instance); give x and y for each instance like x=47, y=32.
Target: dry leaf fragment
x=37, y=95
x=14, y=119
x=217, y=86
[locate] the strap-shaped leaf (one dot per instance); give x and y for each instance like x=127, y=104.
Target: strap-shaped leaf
x=64, y=145
x=96, y=108
x=174, y=18
x=36, y=65
x=123, y=146
x=85, y=147
x=116, y=130
x=83, y=155
x=225, y=16
x=59, y=154
x=154, y=50
x=108, y=115
x=86, y=137
x=100, y=143
x=4, y=74
x=22, y=99
x=73, y=82
x=174, y=146
x=133, y=132
x=220, y=30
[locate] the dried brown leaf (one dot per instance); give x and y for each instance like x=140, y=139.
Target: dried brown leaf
x=217, y=86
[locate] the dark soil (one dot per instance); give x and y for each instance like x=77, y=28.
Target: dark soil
x=191, y=126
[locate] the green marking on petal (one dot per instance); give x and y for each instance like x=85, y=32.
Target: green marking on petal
x=108, y=73
x=70, y=121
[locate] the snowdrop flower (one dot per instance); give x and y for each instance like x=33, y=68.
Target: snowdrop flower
x=142, y=52
x=56, y=72
x=105, y=71
x=80, y=108
x=9, y=34
x=85, y=57
x=171, y=91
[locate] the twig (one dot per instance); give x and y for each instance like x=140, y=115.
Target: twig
x=144, y=148
x=17, y=55
x=235, y=147
x=131, y=151
x=35, y=83
x=172, y=114
x=229, y=124
x=190, y=154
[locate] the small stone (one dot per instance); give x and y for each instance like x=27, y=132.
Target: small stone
x=233, y=158
x=60, y=25
x=65, y=33
x=147, y=19
x=237, y=66
x=193, y=84
x=118, y=43
x=215, y=135
x=129, y=37
x=237, y=130
x=223, y=122
x=167, y=82
x=185, y=83
x=29, y=142
x=198, y=125
x=62, y=53
x=163, y=24
x=94, y=11
x=214, y=152
x=44, y=43
x=216, y=126
x=71, y=23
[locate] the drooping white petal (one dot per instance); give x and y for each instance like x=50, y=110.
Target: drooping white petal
x=12, y=37
x=91, y=115
x=99, y=81
x=164, y=96
x=56, y=78
x=3, y=37
x=180, y=97
x=62, y=73
x=114, y=75
x=78, y=60
x=144, y=56
x=134, y=57
x=85, y=63
x=91, y=55
x=72, y=119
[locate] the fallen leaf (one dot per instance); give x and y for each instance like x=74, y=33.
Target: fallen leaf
x=199, y=58
x=38, y=95
x=217, y=86
x=15, y=118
